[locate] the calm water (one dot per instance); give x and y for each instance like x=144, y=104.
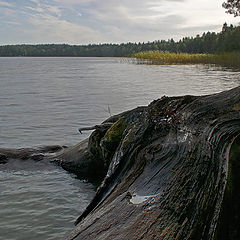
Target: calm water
x=44, y=100
x=39, y=201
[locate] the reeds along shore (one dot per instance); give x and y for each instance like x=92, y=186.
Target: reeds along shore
x=158, y=57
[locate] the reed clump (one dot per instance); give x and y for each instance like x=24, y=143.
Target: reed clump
x=159, y=57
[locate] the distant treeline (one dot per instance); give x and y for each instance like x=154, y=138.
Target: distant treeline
x=228, y=40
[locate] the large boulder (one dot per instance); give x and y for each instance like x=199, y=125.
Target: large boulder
x=170, y=172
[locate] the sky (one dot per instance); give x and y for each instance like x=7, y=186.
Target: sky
x=108, y=21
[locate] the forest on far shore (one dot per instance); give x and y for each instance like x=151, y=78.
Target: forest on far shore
x=228, y=40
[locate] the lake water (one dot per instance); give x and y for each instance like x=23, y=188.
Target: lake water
x=44, y=100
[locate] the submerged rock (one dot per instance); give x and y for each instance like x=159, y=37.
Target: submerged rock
x=36, y=154
x=166, y=169
x=3, y=158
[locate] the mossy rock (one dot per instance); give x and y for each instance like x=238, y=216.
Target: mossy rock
x=113, y=135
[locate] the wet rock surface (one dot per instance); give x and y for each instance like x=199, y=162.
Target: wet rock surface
x=36, y=154
x=3, y=159
x=166, y=171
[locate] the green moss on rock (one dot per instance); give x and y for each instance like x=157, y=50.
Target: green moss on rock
x=113, y=135
x=112, y=138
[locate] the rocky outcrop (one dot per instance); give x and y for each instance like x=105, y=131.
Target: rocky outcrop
x=171, y=172
x=90, y=158
x=166, y=171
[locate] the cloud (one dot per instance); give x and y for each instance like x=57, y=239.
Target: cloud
x=46, y=24
x=53, y=9
x=12, y=23
x=131, y=12
x=136, y=20
x=6, y=4
x=140, y=20
x=74, y=2
x=94, y=21
x=42, y=7
x=35, y=9
x=60, y=31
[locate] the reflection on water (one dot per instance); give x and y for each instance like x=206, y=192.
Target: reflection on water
x=44, y=100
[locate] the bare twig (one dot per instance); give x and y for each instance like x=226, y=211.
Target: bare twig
x=96, y=127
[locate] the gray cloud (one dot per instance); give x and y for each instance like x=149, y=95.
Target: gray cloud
x=6, y=4
x=95, y=21
x=135, y=20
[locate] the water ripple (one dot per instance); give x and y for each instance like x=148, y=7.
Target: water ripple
x=40, y=204
x=43, y=101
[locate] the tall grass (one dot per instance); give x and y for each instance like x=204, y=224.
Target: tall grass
x=158, y=57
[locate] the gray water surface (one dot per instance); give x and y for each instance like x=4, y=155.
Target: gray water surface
x=39, y=200
x=44, y=100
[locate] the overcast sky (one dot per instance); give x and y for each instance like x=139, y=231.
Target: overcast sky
x=108, y=21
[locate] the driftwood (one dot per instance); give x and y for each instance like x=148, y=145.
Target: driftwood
x=173, y=173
